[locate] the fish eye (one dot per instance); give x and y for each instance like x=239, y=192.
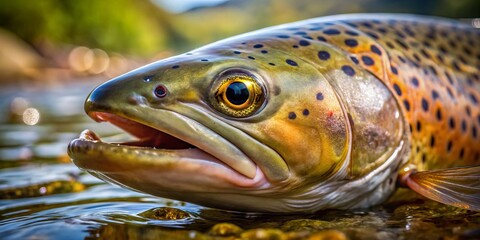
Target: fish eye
x=237, y=94
x=160, y=91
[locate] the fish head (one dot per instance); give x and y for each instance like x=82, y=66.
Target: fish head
x=224, y=126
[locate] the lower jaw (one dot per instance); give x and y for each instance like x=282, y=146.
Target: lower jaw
x=192, y=168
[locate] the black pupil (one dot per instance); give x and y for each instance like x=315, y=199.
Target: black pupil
x=237, y=93
x=160, y=91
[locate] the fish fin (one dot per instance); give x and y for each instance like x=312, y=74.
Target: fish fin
x=459, y=187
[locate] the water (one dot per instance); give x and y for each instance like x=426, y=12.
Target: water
x=44, y=196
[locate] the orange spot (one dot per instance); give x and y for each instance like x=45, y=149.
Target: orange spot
x=330, y=113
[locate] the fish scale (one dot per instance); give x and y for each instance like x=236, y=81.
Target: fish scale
x=423, y=50
x=333, y=112
x=444, y=59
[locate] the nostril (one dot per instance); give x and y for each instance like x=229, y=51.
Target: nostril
x=160, y=91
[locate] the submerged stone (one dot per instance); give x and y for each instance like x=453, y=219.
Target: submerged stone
x=165, y=213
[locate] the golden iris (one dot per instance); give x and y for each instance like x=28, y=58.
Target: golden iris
x=238, y=95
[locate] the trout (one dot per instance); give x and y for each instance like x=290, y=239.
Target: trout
x=327, y=113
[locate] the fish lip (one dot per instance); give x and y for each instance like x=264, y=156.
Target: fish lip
x=247, y=168
x=123, y=164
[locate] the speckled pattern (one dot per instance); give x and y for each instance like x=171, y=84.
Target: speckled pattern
x=433, y=68
x=306, y=107
x=431, y=65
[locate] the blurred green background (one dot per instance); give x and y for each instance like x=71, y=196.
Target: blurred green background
x=65, y=39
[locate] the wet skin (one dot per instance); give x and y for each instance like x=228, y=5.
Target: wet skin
x=323, y=113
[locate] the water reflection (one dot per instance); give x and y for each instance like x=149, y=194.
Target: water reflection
x=31, y=116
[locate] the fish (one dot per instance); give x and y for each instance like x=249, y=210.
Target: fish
x=334, y=112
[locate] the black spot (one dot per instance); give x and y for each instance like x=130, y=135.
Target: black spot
x=435, y=95
x=425, y=105
x=468, y=111
x=397, y=89
x=295, y=46
x=258, y=46
x=382, y=30
x=449, y=145
x=351, y=33
x=276, y=90
x=367, y=60
x=402, y=59
x=439, y=114
x=283, y=36
x=440, y=58
x=315, y=28
x=264, y=51
x=464, y=125
x=367, y=25
x=462, y=153
x=390, y=45
x=291, y=62
x=424, y=157
x=175, y=66
x=415, y=81
x=273, y=64
x=455, y=65
x=354, y=59
x=323, y=55
x=424, y=53
x=473, y=99
x=401, y=43
x=292, y=115
x=373, y=35
x=432, y=141
x=320, y=38
x=351, y=42
x=331, y=32
x=419, y=126
x=394, y=70
x=348, y=70
x=303, y=43
x=417, y=58
x=409, y=31
x=204, y=60
x=399, y=34
x=320, y=96
x=251, y=57
x=236, y=52
x=474, y=132
x=451, y=123
x=427, y=43
x=450, y=93
x=300, y=33
x=406, y=103
x=305, y=112
x=443, y=49
x=375, y=49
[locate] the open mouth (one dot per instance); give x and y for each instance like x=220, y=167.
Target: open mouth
x=148, y=137
x=191, y=143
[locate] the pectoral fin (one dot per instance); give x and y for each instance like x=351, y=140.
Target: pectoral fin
x=459, y=187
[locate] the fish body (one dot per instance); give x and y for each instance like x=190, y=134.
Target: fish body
x=322, y=113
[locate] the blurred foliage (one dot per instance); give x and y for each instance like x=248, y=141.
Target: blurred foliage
x=142, y=28
x=121, y=25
